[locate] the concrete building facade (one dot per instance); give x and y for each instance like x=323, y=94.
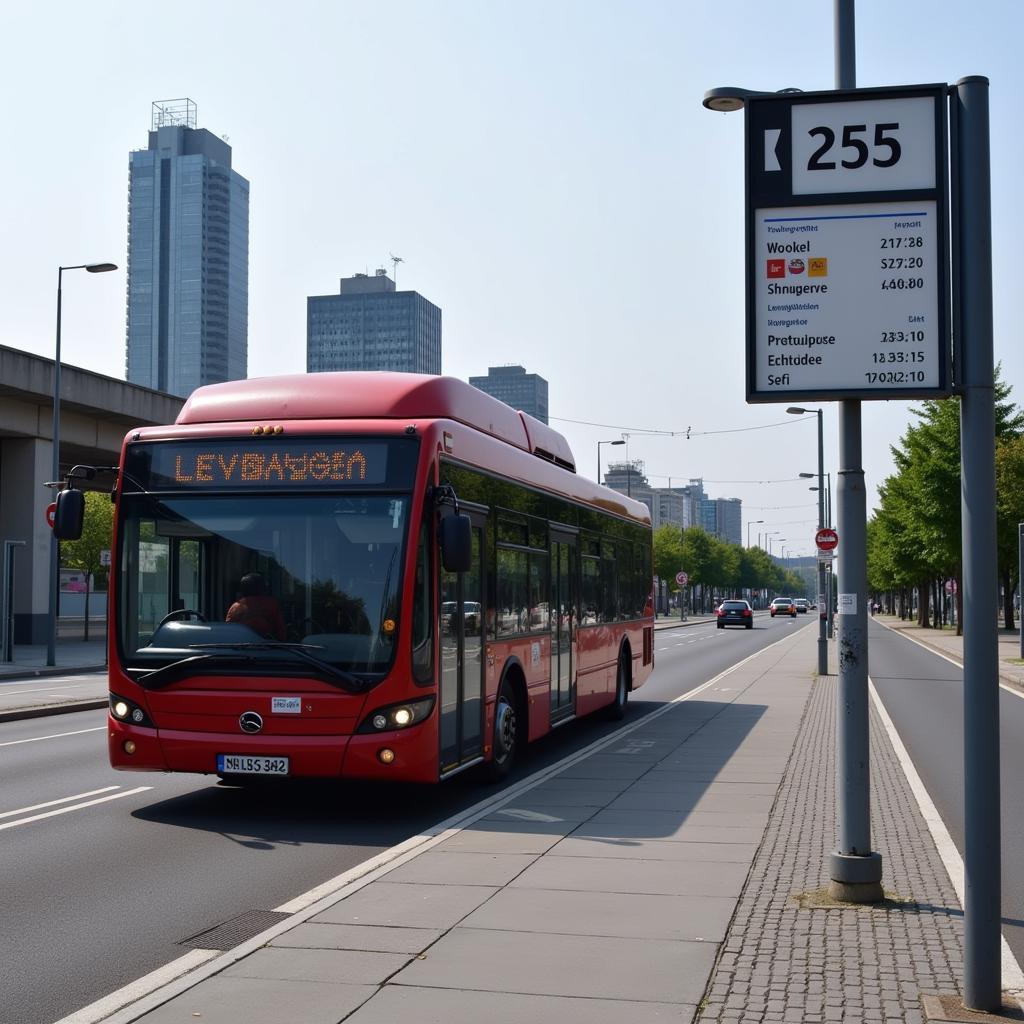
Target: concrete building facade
x=512, y=385
x=369, y=325
x=188, y=257
x=96, y=414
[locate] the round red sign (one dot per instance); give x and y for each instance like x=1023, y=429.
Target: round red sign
x=826, y=539
x=51, y=514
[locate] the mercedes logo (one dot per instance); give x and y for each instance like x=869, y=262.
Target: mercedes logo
x=250, y=721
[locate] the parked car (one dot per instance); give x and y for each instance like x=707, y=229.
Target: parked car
x=783, y=606
x=735, y=613
x=802, y=605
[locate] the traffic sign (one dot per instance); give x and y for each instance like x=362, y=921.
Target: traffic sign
x=826, y=556
x=51, y=514
x=847, y=245
x=105, y=557
x=826, y=539
x=682, y=579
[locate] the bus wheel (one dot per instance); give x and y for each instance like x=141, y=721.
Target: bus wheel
x=507, y=734
x=617, y=709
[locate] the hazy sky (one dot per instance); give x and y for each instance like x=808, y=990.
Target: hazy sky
x=545, y=170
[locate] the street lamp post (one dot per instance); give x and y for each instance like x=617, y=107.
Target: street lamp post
x=796, y=410
x=599, y=443
x=748, y=529
x=51, y=625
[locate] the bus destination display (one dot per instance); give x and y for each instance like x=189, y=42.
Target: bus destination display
x=219, y=465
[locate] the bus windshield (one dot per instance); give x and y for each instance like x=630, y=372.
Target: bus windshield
x=322, y=570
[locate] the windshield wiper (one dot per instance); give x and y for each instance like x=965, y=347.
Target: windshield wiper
x=166, y=674
x=352, y=683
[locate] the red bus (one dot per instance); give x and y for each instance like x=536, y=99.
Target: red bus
x=363, y=575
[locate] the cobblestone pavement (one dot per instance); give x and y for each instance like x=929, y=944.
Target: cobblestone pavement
x=789, y=958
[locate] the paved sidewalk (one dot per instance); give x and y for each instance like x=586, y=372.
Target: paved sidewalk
x=71, y=656
x=670, y=875
x=945, y=641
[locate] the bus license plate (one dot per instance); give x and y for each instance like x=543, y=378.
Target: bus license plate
x=243, y=764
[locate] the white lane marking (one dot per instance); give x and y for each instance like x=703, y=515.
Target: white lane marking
x=53, y=736
x=135, y=990
x=946, y=657
x=76, y=807
x=145, y=997
x=1012, y=976
x=62, y=800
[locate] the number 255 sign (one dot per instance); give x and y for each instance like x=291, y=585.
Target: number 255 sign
x=847, y=245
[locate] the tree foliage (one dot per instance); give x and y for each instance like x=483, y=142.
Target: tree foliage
x=914, y=538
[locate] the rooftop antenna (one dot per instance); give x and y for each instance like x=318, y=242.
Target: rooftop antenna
x=395, y=260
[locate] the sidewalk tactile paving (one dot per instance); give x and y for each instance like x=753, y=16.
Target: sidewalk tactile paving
x=782, y=962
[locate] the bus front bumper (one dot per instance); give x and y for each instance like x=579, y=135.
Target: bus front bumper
x=413, y=752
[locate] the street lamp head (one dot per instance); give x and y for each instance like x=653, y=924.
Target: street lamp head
x=727, y=98
x=100, y=268
x=796, y=410
x=808, y=476
x=620, y=441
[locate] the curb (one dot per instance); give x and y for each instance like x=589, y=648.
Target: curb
x=20, y=714
x=17, y=674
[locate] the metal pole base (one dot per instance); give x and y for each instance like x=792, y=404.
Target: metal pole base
x=855, y=879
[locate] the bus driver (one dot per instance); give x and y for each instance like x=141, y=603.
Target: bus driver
x=257, y=609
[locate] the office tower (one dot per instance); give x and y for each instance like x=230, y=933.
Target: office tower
x=370, y=326
x=188, y=257
x=514, y=386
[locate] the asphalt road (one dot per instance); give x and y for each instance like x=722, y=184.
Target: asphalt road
x=923, y=694
x=105, y=874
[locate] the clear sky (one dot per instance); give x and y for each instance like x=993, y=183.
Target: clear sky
x=544, y=168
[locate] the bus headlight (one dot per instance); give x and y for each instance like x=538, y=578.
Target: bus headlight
x=398, y=716
x=125, y=710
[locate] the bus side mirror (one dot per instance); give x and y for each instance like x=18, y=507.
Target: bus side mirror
x=70, y=514
x=456, y=543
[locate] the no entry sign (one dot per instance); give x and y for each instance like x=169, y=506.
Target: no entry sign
x=826, y=540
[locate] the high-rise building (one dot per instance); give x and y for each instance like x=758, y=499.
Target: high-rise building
x=188, y=257
x=514, y=386
x=370, y=326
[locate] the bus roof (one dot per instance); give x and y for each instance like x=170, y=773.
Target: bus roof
x=374, y=394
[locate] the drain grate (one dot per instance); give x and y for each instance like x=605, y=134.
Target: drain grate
x=235, y=931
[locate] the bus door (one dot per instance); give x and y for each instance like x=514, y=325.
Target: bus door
x=564, y=605
x=462, y=658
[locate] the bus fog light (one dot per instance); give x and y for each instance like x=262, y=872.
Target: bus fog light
x=120, y=709
x=385, y=756
x=380, y=721
x=129, y=746
x=403, y=716
x=138, y=715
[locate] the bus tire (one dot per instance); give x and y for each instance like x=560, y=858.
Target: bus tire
x=617, y=708
x=507, y=741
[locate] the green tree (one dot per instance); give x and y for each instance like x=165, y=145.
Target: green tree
x=1009, y=515
x=97, y=536
x=668, y=552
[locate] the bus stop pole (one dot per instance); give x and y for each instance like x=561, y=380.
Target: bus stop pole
x=855, y=870
x=973, y=264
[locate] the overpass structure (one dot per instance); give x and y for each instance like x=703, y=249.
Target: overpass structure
x=95, y=414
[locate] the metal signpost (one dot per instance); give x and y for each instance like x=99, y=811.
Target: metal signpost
x=682, y=579
x=847, y=299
